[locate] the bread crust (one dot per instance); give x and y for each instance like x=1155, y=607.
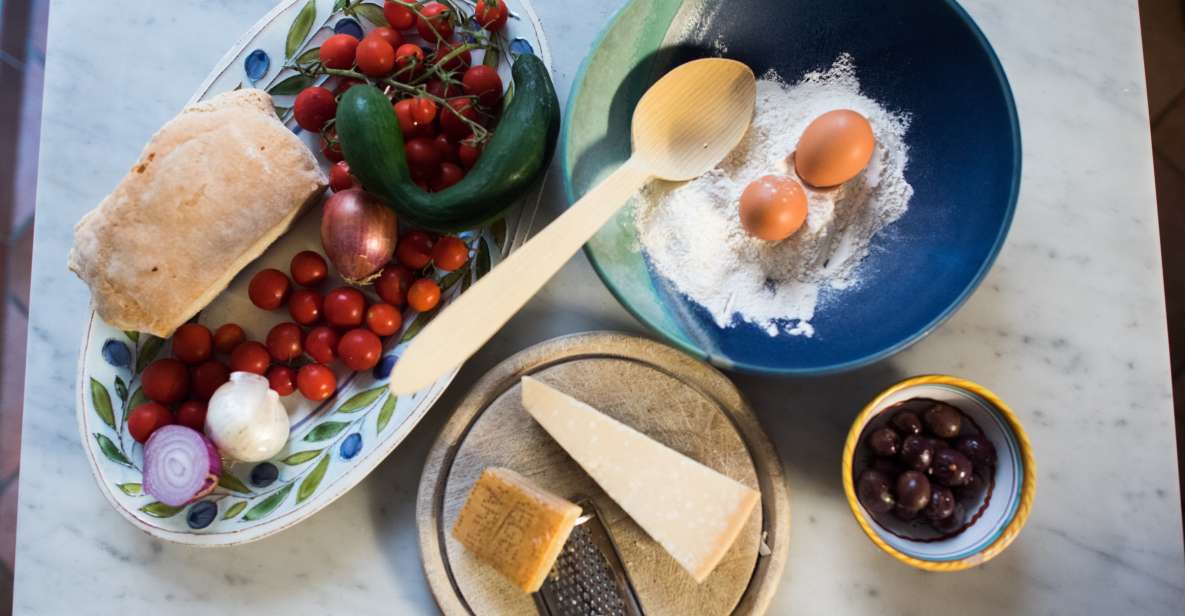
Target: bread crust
x=213, y=188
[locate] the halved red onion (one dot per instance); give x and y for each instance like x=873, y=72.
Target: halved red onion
x=180, y=464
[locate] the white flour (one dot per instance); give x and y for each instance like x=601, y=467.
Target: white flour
x=692, y=233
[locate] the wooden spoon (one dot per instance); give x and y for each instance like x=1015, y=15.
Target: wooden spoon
x=684, y=125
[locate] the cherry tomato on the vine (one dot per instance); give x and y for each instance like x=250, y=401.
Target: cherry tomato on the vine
x=399, y=14
x=308, y=268
x=483, y=82
x=450, y=253
x=422, y=154
x=207, y=377
x=284, y=342
x=448, y=153
x=491, y=14
x=250, y=357
x=321, y=344
x=391, y=35
x=423, y=110
x=433, y=23
x=448, y=174
x=393, y=283
x=409, y=55
x=468, y=151
x=442, y=89
x=282, y=380
x=450, y=118
x=305, y=306
x=192, y=414
x=165, y=381
x=423, y=295
x=316, y=382
x=340, y=178
x=338, y=51
x=360, y=349
x=457, y=61
x=376, y=57
x=228, y=336
x=269, y=288
x=193, y=343
x=331, y=148
x=313, y=108
x=384, y=319
x=414, y=250
x=146, y=418
x=344, y=307
x=345, y=84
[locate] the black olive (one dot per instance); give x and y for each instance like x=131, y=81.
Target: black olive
x=941, y=505
x=974, y=489
x=951, y=468
x=913, y=491
x=907, y=423
x=978, y=449
x=943, y=420
x=874, y=491
x=884, y=442
x=889, y=466
x=917, y=452
x=953, y=522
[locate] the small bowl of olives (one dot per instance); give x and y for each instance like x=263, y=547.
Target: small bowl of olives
x=939, y=473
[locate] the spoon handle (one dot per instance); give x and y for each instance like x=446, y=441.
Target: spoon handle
x=474, y=317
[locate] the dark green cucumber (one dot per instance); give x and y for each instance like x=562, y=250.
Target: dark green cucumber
x=514, y=157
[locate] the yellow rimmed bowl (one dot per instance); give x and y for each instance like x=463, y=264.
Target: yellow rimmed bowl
x=1001, y=513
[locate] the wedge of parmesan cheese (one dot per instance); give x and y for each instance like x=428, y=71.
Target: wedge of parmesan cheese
x=694, y=512
x=515, y=526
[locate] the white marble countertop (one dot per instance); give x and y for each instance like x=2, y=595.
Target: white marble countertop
x=1069, y=327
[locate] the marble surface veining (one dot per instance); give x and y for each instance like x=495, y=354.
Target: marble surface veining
x=1069, y=327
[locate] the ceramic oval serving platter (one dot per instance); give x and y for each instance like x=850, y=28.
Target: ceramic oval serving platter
x=333, y=444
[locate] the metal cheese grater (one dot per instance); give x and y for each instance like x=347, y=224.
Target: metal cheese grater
x=588, y=578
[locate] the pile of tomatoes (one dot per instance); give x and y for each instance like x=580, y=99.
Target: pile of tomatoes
x=444, y=103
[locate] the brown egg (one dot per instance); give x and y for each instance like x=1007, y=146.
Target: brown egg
x=773, y=207
x=834, y=148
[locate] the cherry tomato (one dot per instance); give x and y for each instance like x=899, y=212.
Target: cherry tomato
x=450, y=253
x=376, y=57
x=192, y=414
x=444, y=49
x=384, y=319
x=146, y=418
x=282, y=380
x=433, y=23
x=165, y=381
x=422, y=153
x=391, y=35
x=345, y=84
x=450, y=118
x=316, y=382
x=269, y=288
x=207, y=377
x=468, y=151
x=423, y=110
x=414, y=250
x=344, y=307
x=308, y=268
x=229, y=336
x=483, y=82
x=321, y=344
x=441, y=89
x=305, y=306
x=340, y=178
x=448, y=153
x=399, y=15
x=360, y=349
x=338, y=51
x=193, y=343
x=491, y=14
x=447, y=175
x=283, y=342
x=423, y=295
x=250, y=357
x=313, y=108
x=393, y=283
x=331, y=148
x=408, y=57
x=406, y=117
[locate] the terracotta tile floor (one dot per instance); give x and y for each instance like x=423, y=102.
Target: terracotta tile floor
x=22, y=59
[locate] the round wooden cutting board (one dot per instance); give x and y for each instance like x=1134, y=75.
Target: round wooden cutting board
x=674, y=399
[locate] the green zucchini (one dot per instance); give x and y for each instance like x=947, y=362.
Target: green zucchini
x=513, y=158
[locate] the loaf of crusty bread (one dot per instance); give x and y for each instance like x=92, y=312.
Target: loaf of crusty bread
x=211, y=191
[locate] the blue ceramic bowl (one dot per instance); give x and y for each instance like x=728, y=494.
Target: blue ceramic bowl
x=923, y=57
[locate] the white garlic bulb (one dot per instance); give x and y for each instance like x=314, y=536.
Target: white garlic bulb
x=246, y=419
